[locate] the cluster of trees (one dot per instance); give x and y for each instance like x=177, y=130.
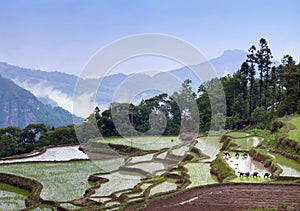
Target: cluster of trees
x=256, y=100
x=254, y=94
x=128, y=119
x=14, y=141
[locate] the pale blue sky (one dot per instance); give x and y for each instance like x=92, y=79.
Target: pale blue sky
x=63, y=34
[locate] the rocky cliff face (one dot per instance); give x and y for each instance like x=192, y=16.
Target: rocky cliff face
x=18, y=107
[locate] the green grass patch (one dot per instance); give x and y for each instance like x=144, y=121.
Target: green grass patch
x=294, y=134
x=221, y=169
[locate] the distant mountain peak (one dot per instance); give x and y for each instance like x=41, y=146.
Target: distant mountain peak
x=234, y=51
x=232, y=55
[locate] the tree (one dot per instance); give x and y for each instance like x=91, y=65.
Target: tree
x=63, y=135
x=239, y=107
x=274, y=79
x=32, y=132
x=291, y=83
x=261, y=117
x=263, y=60
x=244, y=72
x=11, y=130
x=204, y=112
x=8, y=145
x=251, y=59
x=106, y=124
x=186, y=102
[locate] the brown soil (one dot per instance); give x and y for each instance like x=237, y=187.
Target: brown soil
x=227, y=197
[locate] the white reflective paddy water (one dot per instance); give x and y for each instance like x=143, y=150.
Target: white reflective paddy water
x=53, y=154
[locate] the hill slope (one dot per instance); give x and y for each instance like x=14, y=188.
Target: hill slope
x=19, y=108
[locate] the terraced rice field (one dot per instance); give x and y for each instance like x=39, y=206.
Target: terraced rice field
x=290, y=167
x=142, y=176
x=61, y=180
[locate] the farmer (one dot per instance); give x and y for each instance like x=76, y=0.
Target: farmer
x=226, y=154
x=241, y=173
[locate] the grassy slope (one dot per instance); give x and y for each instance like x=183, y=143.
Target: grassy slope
x=294, y=134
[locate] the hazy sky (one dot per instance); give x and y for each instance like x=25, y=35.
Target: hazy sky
x=63, y=34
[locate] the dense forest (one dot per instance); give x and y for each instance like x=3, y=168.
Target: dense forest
x=255, y=94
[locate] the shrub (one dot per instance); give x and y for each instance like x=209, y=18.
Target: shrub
x=276, y=125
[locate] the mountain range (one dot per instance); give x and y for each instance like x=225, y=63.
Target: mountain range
x=57, y=88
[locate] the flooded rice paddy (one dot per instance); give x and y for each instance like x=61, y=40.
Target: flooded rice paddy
x=289, y=167
x=52, y=154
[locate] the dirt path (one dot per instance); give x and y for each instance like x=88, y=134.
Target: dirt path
x=227, y=197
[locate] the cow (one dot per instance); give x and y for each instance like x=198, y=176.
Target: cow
x=255, y=174
x=266, y=175
x=237, y=155
x=245, y=155
x=247, y=174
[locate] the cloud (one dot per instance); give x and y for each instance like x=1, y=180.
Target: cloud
x=41, y=90
x=84, y=104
